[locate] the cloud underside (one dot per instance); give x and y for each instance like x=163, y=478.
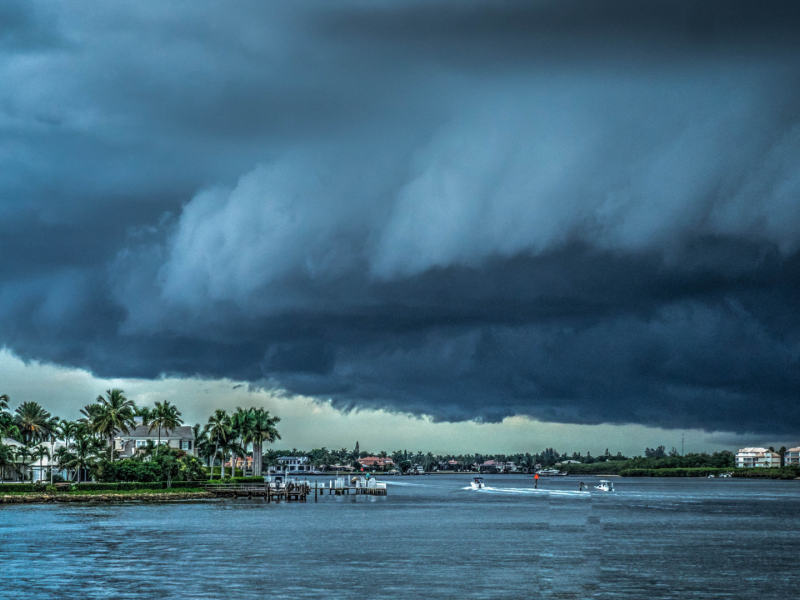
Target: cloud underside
x=468, y=211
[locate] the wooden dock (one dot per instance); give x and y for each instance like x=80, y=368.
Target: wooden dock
x=297, y=491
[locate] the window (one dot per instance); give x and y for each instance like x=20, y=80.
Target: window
x=141, y=443
x=186, y=444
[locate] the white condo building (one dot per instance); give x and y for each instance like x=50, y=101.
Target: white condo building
x=757, y=457
x=792, y=456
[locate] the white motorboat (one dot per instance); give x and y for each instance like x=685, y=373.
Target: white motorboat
x=477, y=483
x=726, y=474
x=605, y=486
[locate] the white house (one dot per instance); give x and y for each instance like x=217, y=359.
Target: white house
x=38, y=469
x=294, y=464
x=792, y=456
x=180, y=437
x=757, y=457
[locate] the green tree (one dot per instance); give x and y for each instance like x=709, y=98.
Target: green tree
x=218, y=429
x=110, y=415
x=6, y=459
x=81, y=455
x=164, y=416
x=25, y=455
x=263, y=430
x=33, y=422
x=38, y=453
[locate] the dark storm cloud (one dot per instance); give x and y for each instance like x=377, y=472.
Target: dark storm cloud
x=583, y=213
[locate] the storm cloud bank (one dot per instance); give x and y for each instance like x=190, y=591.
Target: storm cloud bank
x=581, y=212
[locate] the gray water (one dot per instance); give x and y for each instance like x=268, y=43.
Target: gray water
x=430, y=538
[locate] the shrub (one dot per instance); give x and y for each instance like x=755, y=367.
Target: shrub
x=187, y=484
x=96, y=487
x=227, y=472
x=247, y=480
x=17, y=487
x=147, y=485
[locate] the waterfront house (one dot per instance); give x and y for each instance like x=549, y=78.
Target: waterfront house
x=792, y=456
x=757, y=457
x=126, y=444
x=376, y=462
x=38, y=469
x=294, y=464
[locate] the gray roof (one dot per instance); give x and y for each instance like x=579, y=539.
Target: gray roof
x=182, y=432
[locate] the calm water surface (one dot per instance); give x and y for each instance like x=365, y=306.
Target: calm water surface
x=430, y=538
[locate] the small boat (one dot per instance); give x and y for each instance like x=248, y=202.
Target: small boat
x=711, y=476
x=605, y=486
x=548, y=472
x=477, y=483
x=726, y=474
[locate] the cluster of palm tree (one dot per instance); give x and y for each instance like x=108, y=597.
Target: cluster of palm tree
x=85, y=442
x=31, y=426
x=230, y=436
x=90, y=439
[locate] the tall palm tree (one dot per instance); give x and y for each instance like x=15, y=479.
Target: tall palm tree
x=33, y=421
x=114, y=415
x=67, y=430
x=263, y=430
x=24, y=454
x=219, y=431
x=7, y=427
x=53, y=436
x=202, y=446
x=164, y=416
x=6, y=459
x=38, y=453
x=81, y=454
x=241, y=425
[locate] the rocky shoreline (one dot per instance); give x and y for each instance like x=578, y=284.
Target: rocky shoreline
x=50, y=498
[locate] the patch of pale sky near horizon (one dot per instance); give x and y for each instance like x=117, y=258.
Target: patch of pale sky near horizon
x=306, y=423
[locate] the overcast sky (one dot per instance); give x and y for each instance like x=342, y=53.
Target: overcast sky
x=573, y=218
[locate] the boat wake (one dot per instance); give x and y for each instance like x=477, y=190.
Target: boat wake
x=531, y=491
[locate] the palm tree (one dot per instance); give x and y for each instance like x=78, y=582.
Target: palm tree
x=81, y=455
x=6, y=459
x=34, y=422
x=23, y=455
x=39, y=452
x=241, y=425
x=263, y=430
x=218, y=430
x=164, y=416
x=230, y=446
x=53, y=436
x=114, y=415
x=3, y=402
x=202, y=446
x=67, y=430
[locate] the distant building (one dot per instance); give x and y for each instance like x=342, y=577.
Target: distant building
x=757, y=457
x=294, y=464
x=126, y=444
x=792, y=456
x=376, y=462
